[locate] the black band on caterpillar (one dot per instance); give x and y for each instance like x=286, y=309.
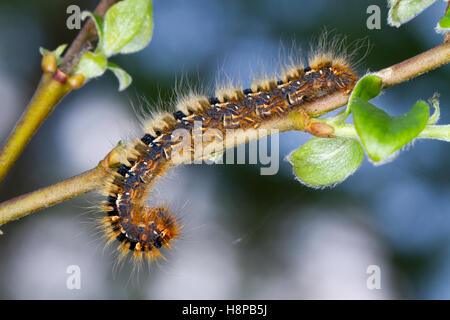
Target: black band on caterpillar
x=144, y=229
x=147, y=139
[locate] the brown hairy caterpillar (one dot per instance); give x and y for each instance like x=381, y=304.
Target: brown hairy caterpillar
x=232, y=116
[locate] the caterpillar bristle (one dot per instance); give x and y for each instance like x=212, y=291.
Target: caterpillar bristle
x=327, y=60
x=192, y=103
x=169, y=119
x=126, y=156
x=159, y=123
x=155, y=255
x=264, y=85
x=108, y=229
x=115, y=180
x=334, y=50
x=112, y=191
x=141, y=147
x=106, y=207
x=135, y=151
x=229, y=93
x=123, y=250
x=137, y=256
x=292, y=73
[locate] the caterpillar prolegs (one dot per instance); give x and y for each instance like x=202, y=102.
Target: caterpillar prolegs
x=267, y=104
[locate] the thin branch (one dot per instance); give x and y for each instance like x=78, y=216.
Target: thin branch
x=23, y=205
x=45, y=197
x=415, y=66
x=87, y=181
x=51, y=89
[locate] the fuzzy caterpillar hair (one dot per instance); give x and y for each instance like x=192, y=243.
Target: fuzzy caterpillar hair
x=266, y=105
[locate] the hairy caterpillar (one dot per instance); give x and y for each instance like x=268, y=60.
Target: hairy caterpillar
x=232, y=115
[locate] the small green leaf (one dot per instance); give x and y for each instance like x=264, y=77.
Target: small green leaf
x=382, y=134
x=443, y=25
x=143, y=37
x=43, y=51
x=98, y=25
x=323, y=161
x=368, y=87
x=122, y=23
x=401, y=11
x=57, y=52
x=91, y=65
x=123, y=77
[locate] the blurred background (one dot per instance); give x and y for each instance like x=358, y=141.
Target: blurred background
x=246, y=236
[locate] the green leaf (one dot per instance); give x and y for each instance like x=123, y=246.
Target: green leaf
x=98, y=25
x=443, y=25
x=57, y=52
x=368, y=87
x=143, y=37
x=323, y=161
x=91, y=65
x=382, y=134
x=401, y=11
x=43, y=51
x=123, y=77
x=122, y=23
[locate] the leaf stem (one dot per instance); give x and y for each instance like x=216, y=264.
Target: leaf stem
x=440, y=132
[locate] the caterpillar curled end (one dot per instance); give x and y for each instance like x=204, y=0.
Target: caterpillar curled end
x=155, y=229
x=267, y=104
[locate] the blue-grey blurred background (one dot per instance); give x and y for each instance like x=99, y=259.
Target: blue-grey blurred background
x=246, y=235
